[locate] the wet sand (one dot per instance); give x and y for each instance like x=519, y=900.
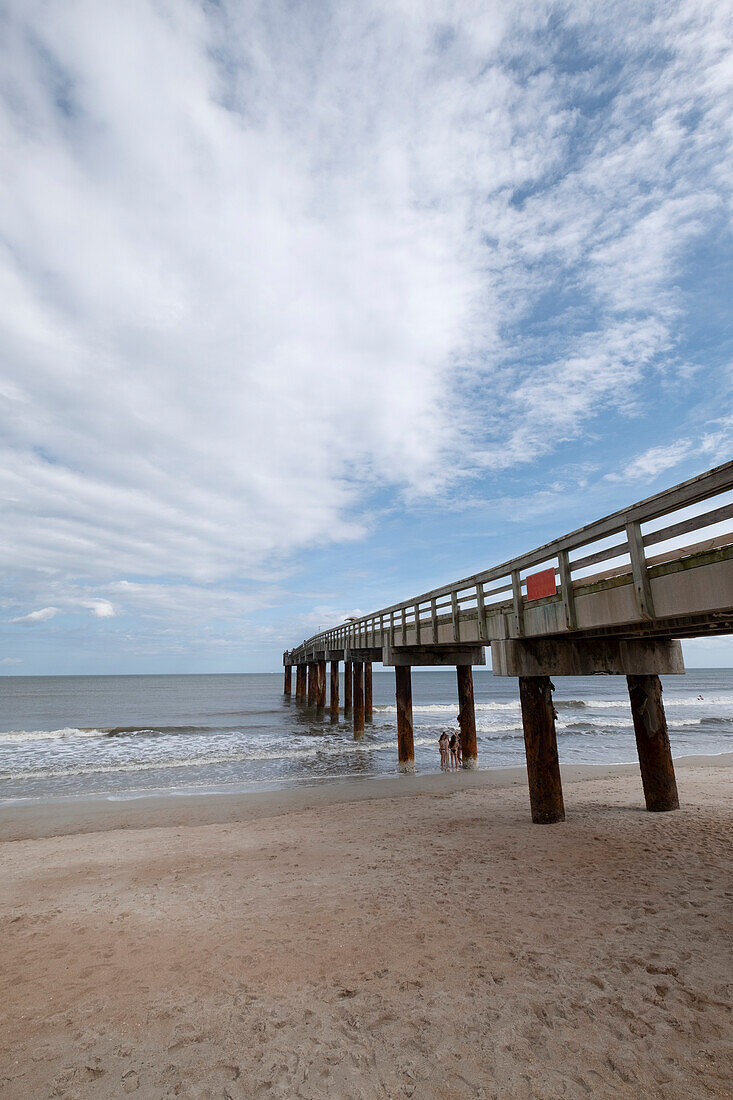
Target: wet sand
x=415, y=937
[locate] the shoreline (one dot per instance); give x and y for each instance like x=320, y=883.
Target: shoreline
x=35, y=820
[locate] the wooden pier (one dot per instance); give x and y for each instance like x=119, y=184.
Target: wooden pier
x=552, y=612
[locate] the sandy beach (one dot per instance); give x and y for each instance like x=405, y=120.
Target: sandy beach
x=414, y=937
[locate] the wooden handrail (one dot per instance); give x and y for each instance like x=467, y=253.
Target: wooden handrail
x=695, y=490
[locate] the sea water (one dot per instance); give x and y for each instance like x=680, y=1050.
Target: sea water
x=124, y=736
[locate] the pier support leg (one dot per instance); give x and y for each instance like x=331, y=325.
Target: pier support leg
x=288, y=685
x=467, y=716
x=300, y=683
x=405, y=739
x=358, y=699
x=320, y=684
x=368, y=690
x=540, y=743
x=312, y=675
x=652, y=743
x=334, y=691
x=348, y=688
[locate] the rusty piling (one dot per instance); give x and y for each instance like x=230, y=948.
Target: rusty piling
x=368, y=691
x=334, y=691
x=467, y=716
x=540, y=743
x=348, y=688
x=358, y=699
x=652, y=743
x=405, y=738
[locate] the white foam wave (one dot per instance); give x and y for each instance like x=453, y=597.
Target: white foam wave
x=50, y=735
x=202, y=760
x=669, y=701
x=449, y=708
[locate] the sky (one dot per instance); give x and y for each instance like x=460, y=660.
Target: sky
x=310, y=307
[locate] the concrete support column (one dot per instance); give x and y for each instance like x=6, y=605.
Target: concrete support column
x=312, y=675
x=320, y=684
x=540, y=743
x=358, y=699
x=299, y=682
x=368, y=690
x=348, y=688
x=467, y=716
x=405, y=740
x=652, y=743
x=288, y=685
x=334, y=691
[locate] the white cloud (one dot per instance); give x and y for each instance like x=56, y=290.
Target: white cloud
x=40, y=616
x=652, y=462
x=101, y=609
x=712, y=447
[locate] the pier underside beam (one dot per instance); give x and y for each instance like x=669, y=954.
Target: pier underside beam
x=394, y=656
x=466, y=716
x=358, y=699
x=363, y=654
x=405, y=738
x=586, y=657
x=540, y=743
x=334, y=691
x=652, y=743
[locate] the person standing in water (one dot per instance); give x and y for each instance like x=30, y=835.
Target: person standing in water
x=443, y=746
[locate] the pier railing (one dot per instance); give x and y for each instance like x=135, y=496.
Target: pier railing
x=689, y=519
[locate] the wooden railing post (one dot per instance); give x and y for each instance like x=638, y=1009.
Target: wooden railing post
x=517, y=603
x=481, y=612
x=642, y=585
x=566, y=588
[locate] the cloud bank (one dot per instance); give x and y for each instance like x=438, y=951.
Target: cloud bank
x=261, y=261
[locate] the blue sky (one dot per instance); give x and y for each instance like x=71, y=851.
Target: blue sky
x=310, y=307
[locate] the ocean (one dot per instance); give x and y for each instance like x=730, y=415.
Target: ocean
x=121, y=737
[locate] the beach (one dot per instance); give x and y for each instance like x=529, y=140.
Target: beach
x=389, y=937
